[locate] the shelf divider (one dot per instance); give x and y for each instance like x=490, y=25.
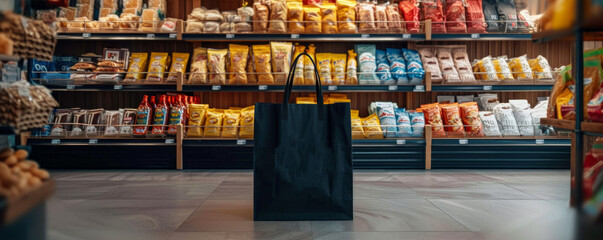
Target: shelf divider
x=428, y=138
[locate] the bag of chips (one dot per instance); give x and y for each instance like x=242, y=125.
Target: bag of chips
x=463, y=66
x=338, y=69
x=434, y=118
x=387, y=118
x=263, y=68
x=357, y=130
x=417, y=121
x=403, y=123
x=216, y=64
x=414, y=68
x=504, y=116
x=507, y=13
x=366, y=17
x=381, y=17
x=366, y=64
x=198, y=67
x=489, y=123
x=324, y=67
x=260, y=18
x=246, y=122
x=213, y=122
x=298, y=75
x=446, y=63
x=295, y=13
x=309, y=76
x=521, y=68
x=346, y=16
x=372, y=127
x=452, y=119
x=179, y=63
x=523, y=117
x=329, y=18
x=488, y=101
x=230, y=126
x=137, y=66
x=430, y=63
x=471, y=119
x=432, y=10
x=238, y=62
x=475, y=17
x=383, y=68
x=397, y=65
x=488, y=70
x=455, y=16
x=502, y=68
x=278, y=16
x=313, y=19
x=491, y=15
x=394, y=19
x=410, y=11
x=540, y=67
x=351, y=76
x=252, y=78
x=196, y=119
x=157, y=65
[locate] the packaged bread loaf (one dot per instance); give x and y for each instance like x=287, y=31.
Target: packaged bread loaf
x=246, y=122
x=278, y=16
x=198, y=73
x=338, y=60
x=260, y=18
x=149, y=20
x=295, y=16
x=309, y=74
x=230, y=126
x=281, y=60
x=263, y=67
x=351, y=76
x=132, y=6
x=323, y=62
x=158, y=5
x=366, y=17
x=216, y=64
x=329, y=18
x=68, y=13
x=129, y=21
x=137, y=67
x=157, y=65
x=238, y=62
x=298, y=75
x=84, y=10
x=194, y=27
x=179, y=64
x=346, y=16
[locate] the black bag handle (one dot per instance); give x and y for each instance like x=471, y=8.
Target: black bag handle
x=289, y=86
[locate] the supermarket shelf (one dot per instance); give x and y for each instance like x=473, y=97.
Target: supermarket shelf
x=591, y=31
x=117, y=36
x=481, y=36
x=300, y=37
x=309, y=88
x=495, y=87
x=113, y=87
x=217, y=142
x=103, y=141
x=12, y=209
x=502, y=141
x=7, y=58
x=592, y=127
x=559, y=123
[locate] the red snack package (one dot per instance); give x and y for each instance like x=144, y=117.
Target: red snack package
x=143, y=117
x=455, y=16
x=410, y=10
x=452, y=119
x=470, y=116
x=161, y=116
x=434, y=118
x=476, y=23
x=433, y=11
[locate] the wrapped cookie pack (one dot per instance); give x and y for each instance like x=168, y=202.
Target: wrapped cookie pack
x=198, y=67
x=281, y=60
x=430, y=62
x=278, y=16
x=216, y=64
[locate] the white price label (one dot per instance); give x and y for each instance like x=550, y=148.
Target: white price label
x=463, y=141
x=150, y=35
x=169, y=141
x=241, y=142
x=55, y=141
x=263, y=87
x=118, y=87
x=70, y=87
x=294, y=36
x=230, y=35
x=85, y=35
x=406, y=36
x=93, y=141
x=475, y=35
x=365, y=36
x=393, y=88
x=216, y=87
x=332, y=88
x=539, y=141
x=400, y=141
x=419, y=88
x=487, y=88
x=173, y=35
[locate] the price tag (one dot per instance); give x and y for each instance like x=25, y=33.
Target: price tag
x=365, y=36
x=55, y=141
x=173, y=35
x=475, y=35
x=169, y=141
x=93, y=141
x=400, y=141
x=539, y=141
x=230, y=35
x=241, y=142
x=419, y=88
x=216, y=87
x=263, y=87
x=85, y=35
x=118, y=87
x=392, y=88
x=487, y=88
x=406, y=36
x=332, y=88
x=463, y=141
x=150, y=35
x=294, y=36
x=70, y=87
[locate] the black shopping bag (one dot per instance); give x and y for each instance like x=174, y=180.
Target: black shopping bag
x=302, y=159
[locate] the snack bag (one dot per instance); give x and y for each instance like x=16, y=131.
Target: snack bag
x=329, y=18
x=196, y=119
x=252, y=78
x=387, y=118
x=417, y=122
x=246, y=122
x=403, y=123
x=198, y=67
x=470, y=116
x=278, y=16
x=430, y=62
x=414, y=68
x=507, y=13
x=561, y=83
x=463, y=66
x=137, y=66
x=230, y=127
x=452, y=119
x=313, y=19
x=281, y=60
x=351, y=76
x=372, y=127
x=523, y=116
x=434, y=118
x=504, y=116
x=295, y=16
x=455, y=16
x=213, y=122
x=385, y=77
x=238, y=62
x=489, y=123
x=592, y=80
x=298, y=75
x=394, y=19
x=346, y=16
x=338, y=69
x=488, y=69
x=179, y=63
x=410, y=11
x=366, y=17
x=309, y=76
x=488, y=101
x=446, y=63
x=433, y=10
x=476, y=23
x=323, y=60
x=357, y=130
x=216, y=64
x=491, y=15
x=367, y=64
x=260, y=18
x=397, y=65
x=261, y=57
x=305, y=100
x=540, y=67
x=521, y=68
x=157, y=66
x=502, y=68
x=381, y=17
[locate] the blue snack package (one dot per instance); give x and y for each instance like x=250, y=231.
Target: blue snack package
x=403, y=123
x=63, y=63
x=414, y=67
x=385, y=77
x=367, y=64
x=41, y=66
x=417, y=122
x=397, y=65
x=387, y=119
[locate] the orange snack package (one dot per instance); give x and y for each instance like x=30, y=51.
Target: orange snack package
x=470, y=116
x=452, y=118
x=434, y=118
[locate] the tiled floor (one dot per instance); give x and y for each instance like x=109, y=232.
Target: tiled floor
x=176, y=205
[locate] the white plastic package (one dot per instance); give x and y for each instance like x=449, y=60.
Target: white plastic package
x=490, y=126
x=523, y=116
x=430, y=64
x=506, y=119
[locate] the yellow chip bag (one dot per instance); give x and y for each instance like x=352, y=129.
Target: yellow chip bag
x=196, y=113
x=281, y=60
x=157, y=65
x=502, y=68
x=521, y=68
x=354, y=113
x=351, y=77
x=329, y=17
x=230, y=126
x=357, y=131
x=238, y=63
x=198, y=67
x=313, y=19
x=339, y=64
x=309, y=77
x=246, y=122
x=338, y=95
x=138, y=64
x=372, y=127
x=261, y=57
x=339, y=100
x=213, y=122
x=216, y=64
x=487, y=67
x=540, y=67
x=324, y=67
x=346, y=16
x=295, y=16
x=298, y=75
x=179, y=63
x=476, y=69
x=305, y=100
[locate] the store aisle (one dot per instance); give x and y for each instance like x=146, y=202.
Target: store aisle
x=437, y=204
